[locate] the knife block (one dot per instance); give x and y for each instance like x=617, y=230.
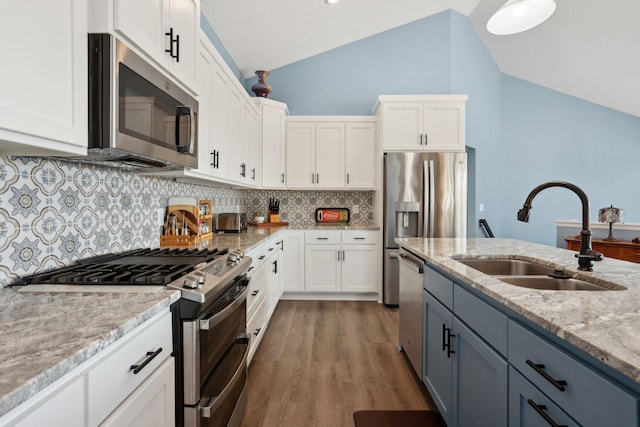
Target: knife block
x=273, y=217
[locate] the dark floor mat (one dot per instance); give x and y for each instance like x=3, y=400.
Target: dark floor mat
x=397, y=419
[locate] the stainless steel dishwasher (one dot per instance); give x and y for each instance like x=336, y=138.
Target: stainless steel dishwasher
x=411, y=272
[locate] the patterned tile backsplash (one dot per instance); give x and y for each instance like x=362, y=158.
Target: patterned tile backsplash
x=298, y=207
x=54, y=212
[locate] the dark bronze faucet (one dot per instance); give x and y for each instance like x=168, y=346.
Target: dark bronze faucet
x=586, y=255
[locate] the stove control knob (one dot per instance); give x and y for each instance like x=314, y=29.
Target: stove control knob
x=200, y=277
x=190, y=282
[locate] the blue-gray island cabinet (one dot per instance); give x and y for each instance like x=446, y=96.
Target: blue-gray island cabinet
x=498, y=356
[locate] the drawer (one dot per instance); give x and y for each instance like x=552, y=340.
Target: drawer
x=322, y=237
x=256, y=291
x=359, y=237
x=588, y=397
x=256, y=327
x=439, y=286
x=258, y=257
x=485, y=320
x=528, y=406
x=113, y=378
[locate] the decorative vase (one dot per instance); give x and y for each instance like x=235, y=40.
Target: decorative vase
x=261, y=89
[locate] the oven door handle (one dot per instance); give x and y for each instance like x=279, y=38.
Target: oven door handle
x=210, y=322
x=207, y=410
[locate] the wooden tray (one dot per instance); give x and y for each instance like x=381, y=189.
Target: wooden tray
x=268, y=224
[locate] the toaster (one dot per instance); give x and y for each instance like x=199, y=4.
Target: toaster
x=232, y=222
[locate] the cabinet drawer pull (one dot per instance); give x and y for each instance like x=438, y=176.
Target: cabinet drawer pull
x=540, y=409
x=150, y=356
x=539, y=368
x=261, y=257
x=322, y=238
x=254, y=293
x=257, y=331
x=359, y=238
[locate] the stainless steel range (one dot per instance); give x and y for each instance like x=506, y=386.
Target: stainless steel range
x=209, y=321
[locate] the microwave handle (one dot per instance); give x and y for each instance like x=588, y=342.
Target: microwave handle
x=181, y=112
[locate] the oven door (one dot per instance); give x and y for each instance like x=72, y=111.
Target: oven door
x=208, y=340
x=224, y=400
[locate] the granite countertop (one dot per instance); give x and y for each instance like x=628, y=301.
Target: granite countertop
x=46, y=335
x=604, y=324
x=254, y=236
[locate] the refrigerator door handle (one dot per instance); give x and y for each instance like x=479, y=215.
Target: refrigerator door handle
x=429, y=199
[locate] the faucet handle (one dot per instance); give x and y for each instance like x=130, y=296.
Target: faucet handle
x=592, y=255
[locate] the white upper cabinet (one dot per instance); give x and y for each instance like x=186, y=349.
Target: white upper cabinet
x=315, y=154
x=43, y=80
x=273, y=142
x=322, y=151
x=359, y=155
x=422, y=122
x=166, y=30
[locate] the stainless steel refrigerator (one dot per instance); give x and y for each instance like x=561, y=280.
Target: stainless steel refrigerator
x=425, y=195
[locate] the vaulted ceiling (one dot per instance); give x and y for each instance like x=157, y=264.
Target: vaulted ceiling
x=589, y=49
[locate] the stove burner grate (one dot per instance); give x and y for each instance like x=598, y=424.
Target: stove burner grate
x=137, y=267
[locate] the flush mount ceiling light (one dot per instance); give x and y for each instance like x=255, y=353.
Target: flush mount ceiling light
x=331, y=1
x=520, y=15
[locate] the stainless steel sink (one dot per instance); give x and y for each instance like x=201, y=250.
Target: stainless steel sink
x=506, y=267
x=551, y=283
x=530, y=274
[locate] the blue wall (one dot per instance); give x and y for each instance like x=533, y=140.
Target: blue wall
x=523, y=134
x=411, y=59
x=549, y=136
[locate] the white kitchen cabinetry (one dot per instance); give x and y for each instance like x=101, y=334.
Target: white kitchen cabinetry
x=152, y=404
x=359, y=155
x=315, y=155
x=59, y=405
x=422, y=122
x=330, y=152
x=265, y=288
x=293, y=261
x=341, y=261
x=165, y=30
x=272, y=142
x=108, y=388
x=43, y=107
x=228, y=125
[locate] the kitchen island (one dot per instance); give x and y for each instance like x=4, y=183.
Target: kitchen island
x=582, y=348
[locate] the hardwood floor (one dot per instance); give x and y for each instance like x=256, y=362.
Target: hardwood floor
x=320, y=361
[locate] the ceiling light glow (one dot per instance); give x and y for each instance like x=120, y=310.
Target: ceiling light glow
x=520, y=15
x=331, y=1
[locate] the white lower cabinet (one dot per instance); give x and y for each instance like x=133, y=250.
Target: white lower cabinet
x=293, y=261
x=152, y=404
x=59, y=405
x=341, y=261
x=108, y=389
x=265, y=289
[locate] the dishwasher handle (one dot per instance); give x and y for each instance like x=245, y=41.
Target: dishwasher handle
x=413, y=261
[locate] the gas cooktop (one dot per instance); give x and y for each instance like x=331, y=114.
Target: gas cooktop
x=198, y=273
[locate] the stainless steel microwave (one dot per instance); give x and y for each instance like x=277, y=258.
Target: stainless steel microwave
x=138, y=118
